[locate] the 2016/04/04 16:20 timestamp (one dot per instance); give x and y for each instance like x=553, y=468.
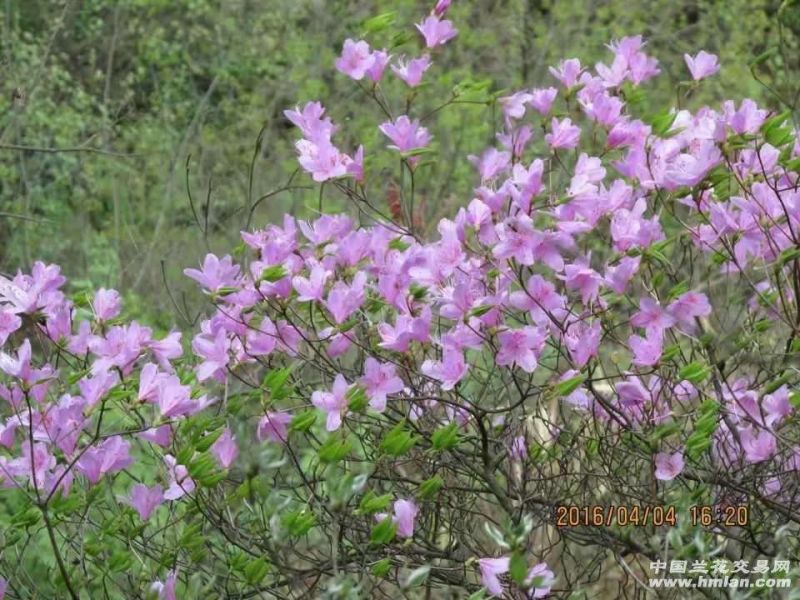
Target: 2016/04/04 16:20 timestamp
x=704, y=515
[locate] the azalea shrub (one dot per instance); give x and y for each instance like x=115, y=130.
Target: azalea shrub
x=581, y=371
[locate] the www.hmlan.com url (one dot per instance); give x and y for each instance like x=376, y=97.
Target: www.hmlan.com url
x=719, y=582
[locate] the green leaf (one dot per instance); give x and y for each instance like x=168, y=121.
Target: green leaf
x=273, y=273
x=662, y=122
x=398, y=244
x=417, y=577
x=695, y=372
x=372, y=503
x=303, y=421
x=445, y=437
x=481, y=310
x=700, y=439
x=382, y=567
x=398, y=440
x=383, y=532
x=429, y=488
x=566, y=387
x=334, y=449
x=202, y=466
x=518, y=568
x=379, y=22
x=256, y=570
x=356, y=399
x=299, y=522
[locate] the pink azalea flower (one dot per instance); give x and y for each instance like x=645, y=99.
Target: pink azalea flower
x=646, y=351
x=491, y=570
x=311, y=289
x=702, y=65
x=405, y=134
x=343, y=300
x=449, y=371
x=273, y=427
x=215, y=273
x=311, y=122
x=381, y=59
x=225, y=449
x=689, y=306
x=405, y=513
x=356, y=59
x=668, y=466
x=617, y=277
x=321, y=159
x=145, y=500
x=514, y=105
x=180, y=483
x=9, y=323
x=583, y=341
x=214, y=351
x=379, y=380
x=542, y=99
x=110, y=456
x=540, y=579
x=651, y=316
x=757, y=447
x=563, y=134
x=441, y=7
x=491, y=163
x=162, y=435
x=567, y=72
x=355, y=167
x=3, y=586
x=166, y=589
x=333, y=403
x=436, y=32
x=106, y=304
x=412, y=71
x=521, y=347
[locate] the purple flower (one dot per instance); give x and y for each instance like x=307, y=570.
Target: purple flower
x=225, y=449
x=9, y=323
x=441, y=7
x=145, y=500
x=3, y=586
x=405, y=134
x=273, y=427
x=343, y=300
x=539, y=580
x=381, y=59
x=491, y=163
x=180, y=482
x=563, y=134
x=436, y=32
x=106, y=304
x=521, y=347
x=166, y=589
x=617, y=277
x=668, y=466
x=311, y=289
x=702, y=65
x=356, y=59
x=110, y=456
x=333, y=403
x=321, y=159
x=311, y=122
x=405, y=513
x=646, y=351
x=491, y=569
x=757, y=447
x=567, y=72
x=449, y=371
x=411, y=71
x=651, y=316
x=542, y=99
x=379, y=380
x=214, y=351
x=215, y=273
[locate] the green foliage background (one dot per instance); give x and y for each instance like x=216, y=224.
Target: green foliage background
x=160, y=84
